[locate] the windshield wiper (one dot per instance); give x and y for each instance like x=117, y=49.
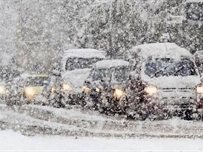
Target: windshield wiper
x=161, y=70
x=177, y=71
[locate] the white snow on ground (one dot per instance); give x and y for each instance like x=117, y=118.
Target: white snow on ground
x=33, y=120
x=14, y=141
x=74, y=129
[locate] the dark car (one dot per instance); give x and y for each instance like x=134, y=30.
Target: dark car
x=105, y=86
x=9, y=77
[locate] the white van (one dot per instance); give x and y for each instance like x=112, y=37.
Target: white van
x=168, y=76
x=76, y=66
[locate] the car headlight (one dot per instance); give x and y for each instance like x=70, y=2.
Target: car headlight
x=30, y=92
x=98, y=89
x=118, y=93
x=86, y=89
x=66, y=87
x=2, y=90
x=199, y=89
x=53, y=90
x=151, y=90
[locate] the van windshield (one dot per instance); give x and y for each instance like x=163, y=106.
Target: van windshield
x=80, y=63
x=118, y=74
x=169, y=67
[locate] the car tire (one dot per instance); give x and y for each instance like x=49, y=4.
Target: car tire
x=188, y=114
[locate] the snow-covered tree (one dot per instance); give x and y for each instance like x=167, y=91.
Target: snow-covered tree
x=117, y=25
x=46, y=28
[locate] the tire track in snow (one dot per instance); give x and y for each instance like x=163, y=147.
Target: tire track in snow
x=76, y=122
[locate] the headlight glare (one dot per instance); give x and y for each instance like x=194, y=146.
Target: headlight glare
x=98, y=90
x=118, y=93
x=151, y=90
x=199, y=89
x=67, y=87
x=2, y=89
x=86, y=89
x=53, y=90
x=29, y=92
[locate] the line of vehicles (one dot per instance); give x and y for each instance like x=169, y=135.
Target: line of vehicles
x=156, y=81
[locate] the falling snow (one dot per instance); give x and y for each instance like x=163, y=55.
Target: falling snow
x=104, y=73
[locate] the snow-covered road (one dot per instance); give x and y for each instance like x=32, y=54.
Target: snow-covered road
x=12, y=141
x=77, y=130
x=37, y=120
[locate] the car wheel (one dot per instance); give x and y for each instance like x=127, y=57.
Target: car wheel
x=188, y=114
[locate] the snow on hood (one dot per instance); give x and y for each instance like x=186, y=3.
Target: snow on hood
x=160, y=50
x=174, y=81
x=84, y=53
x=76, y=77
x=106, y=64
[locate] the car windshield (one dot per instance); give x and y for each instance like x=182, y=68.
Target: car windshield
x=118, y=74
x=169, y=67
x=80, y=63
x=36, y=81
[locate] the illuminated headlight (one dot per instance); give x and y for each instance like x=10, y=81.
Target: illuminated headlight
x=98, y=89
x=118, y=93
x=2, y=90
x=86, y=89
x=66, y=87
x=151, y=90
x=200, y=89
x=53, y=90
x=30, y=92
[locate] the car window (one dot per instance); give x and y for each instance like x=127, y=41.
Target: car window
x=169, y=67
x=118, y=74
x=100, y=74
x=80, y=63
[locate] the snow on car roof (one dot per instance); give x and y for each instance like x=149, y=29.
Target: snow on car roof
x=106, y=64
x=194, y=1
x=160, y=50
x=84, y=53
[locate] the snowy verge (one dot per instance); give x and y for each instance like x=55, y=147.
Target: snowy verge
x=11, y=141
x=32, y=120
